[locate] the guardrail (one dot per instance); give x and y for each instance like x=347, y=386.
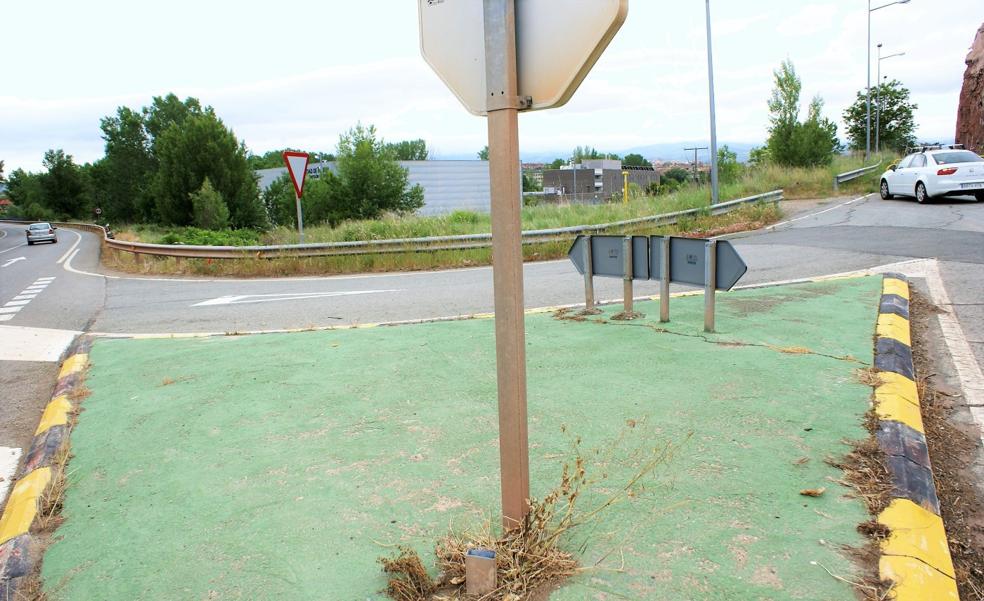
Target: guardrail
x=403, y=245
x=840, y=178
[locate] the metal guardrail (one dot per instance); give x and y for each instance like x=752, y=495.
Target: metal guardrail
x=840, y=178
x=403, y=245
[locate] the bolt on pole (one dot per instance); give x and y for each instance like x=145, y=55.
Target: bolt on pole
x=507, y=253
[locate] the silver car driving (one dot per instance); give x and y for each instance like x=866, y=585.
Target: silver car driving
x=41, y=232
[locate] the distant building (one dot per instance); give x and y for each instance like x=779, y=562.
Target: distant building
x=596, y=180
x=448, y=185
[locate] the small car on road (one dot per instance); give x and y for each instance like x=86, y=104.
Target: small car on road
x=934, y=172
x=41, y=232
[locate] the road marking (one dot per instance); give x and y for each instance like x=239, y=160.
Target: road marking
x=13, y=248
x=78, y=239
x=827, y=210
x=9, y=459
x=46, y=279
x=34, y=344
x=26, y=296
x=16, y=303
x=12, y=261
x=270, y=298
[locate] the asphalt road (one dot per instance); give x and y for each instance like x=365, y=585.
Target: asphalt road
x=839, y=236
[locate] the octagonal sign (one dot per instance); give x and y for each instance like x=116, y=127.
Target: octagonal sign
x=557, y=43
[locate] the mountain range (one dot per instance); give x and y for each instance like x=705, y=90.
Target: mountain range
x=672, y=151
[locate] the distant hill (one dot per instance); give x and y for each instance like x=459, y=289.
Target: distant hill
x=655, y=152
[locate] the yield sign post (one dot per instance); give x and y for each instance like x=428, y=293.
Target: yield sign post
x=297, y=163
x=473, y=47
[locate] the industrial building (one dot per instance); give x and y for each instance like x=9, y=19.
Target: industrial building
x=595, y=180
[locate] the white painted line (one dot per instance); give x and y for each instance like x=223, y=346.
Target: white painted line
x=10, y=310
x=6, y=317
x=13, y=248
x=25, y=296
x=46, y=279
x=9, y=459
x=78, y=238
x=34, y=344
x=16, y=303
x=827, y=210
x=12, y=261
x=269, y=298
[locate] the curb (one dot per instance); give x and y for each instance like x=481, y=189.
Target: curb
x=19, y=551
x=916, y=555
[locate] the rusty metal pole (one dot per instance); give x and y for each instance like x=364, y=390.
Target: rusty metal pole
x=507, y=257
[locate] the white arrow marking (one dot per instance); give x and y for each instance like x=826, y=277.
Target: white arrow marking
x=270, y=298
x=12, y=261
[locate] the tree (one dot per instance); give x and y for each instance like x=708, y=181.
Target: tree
x=587, y=153
x=635, y=160
x=275, y=158
x=483, y=154
x=197, y=147
x=2, y=180
x=24, y=190
x=530, y=184
x=123, y=176
x=678, y=174
x=369, y=182
x=63, y=185
x=208, y=209
x=791, y=142
x=557, y=163
x=165, y=111
x=729, y=169
x=895, y=117
x=409, y=150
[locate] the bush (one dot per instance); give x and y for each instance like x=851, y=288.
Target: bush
x=208, y=209
x=194, y=236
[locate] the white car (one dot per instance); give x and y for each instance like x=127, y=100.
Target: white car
x=930, y=173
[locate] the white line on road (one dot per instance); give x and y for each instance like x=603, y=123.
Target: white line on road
x=9, y=459
x=13, y=248
x=270, y=298
x=6, y=317
x=827, y=210
x=78, y=237
x=12, y=261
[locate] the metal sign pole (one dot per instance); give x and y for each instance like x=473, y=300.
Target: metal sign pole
x=588, y=276
x=507, y=253
x=300, y=217
x=627, y=278
x=710, y=283
x=664, y=283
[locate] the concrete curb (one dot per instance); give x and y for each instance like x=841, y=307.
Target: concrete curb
x=19, y=551
x=916, y=555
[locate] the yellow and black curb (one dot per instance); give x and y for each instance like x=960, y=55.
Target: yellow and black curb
x=19, y=550
x=915, y=556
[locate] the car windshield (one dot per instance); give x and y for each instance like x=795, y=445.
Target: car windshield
x=40, y=226
x=957, y=156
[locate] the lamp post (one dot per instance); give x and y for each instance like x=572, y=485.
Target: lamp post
x=710, y=83
x=878, y=85
x=867, y=96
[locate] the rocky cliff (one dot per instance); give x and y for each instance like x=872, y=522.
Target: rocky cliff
x=970, y=112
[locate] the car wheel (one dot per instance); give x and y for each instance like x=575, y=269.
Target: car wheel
x=29, y=243
x=884, y=191
x=921, y=196
x=979, y=196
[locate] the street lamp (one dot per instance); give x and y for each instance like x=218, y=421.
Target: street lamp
x=878, y=83
x=867, y=126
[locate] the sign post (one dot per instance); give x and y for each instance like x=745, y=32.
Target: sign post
x=297, y=163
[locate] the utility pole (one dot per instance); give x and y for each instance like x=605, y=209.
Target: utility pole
x=695, y=149
x=710, y=83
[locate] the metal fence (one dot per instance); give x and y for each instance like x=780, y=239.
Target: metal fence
x=406, y=245
x=840, y=178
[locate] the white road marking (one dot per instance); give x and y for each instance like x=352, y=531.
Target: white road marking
x=9, y=310
x=827, y=210
x=16, y=303
x=13, y=248
x=21, y=300
x=270, y=298
x=6, y=317
x=9, y=459
x=46, y=279
x=12, y=261
x=24, y=296
x=78, y=238
x=34, y=344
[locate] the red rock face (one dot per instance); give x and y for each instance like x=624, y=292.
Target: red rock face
x=970, y=113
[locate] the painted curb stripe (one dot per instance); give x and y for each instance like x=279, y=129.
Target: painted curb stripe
x=73, y=365
x=916, y=554
x=22, y=505
x=44, y=447
x=55, y=414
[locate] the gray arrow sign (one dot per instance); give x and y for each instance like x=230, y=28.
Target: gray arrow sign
x=606, y=256
x=687, y=262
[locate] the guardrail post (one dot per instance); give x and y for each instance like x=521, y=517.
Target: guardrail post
x=589, y=302
x=710, y=283
x=664, y=282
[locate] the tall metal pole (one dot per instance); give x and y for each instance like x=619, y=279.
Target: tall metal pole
x=300, y=217
x=878, y=102
x=867, y=96
x=710, y=83
x=507, y=253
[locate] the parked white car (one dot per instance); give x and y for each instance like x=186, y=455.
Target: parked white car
x=932, y=173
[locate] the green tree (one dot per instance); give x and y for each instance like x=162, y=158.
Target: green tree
x=758, y=155
x=123, y=175
x=409, y=150
x=2, y=180
x=635, y=160
x=165, y=111
x=677, y=174
x=275, y=158
x=729, y=169
x=208, y=209
x=369, y=182
x=24, y=190
x=483, y=154
x=588, y=153
x=197, y=147
x=63, y=186
x=557, y=163
x=530, y=184
x=791, y=142
x=895, y=115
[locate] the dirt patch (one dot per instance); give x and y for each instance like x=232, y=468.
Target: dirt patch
x=952, y=450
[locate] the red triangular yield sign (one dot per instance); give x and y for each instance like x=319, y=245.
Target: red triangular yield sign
x=297, y=163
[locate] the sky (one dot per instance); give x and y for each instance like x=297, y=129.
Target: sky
x=297, y=74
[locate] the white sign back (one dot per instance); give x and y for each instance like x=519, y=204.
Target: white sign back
x=557, y=43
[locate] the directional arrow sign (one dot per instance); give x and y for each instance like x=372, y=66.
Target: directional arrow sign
x=297, y=168
x=12, y=261
x=606, y=256
x=687, y=262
